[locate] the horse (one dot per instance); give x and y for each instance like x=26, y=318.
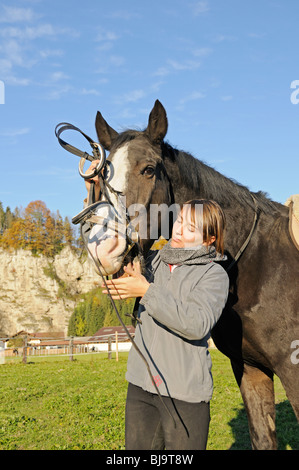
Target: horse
x=260, y=322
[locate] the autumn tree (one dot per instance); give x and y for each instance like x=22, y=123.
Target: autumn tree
x=35, y=229
x=14, y=237
x=6, y=218
x=68, y=233
x=36, y=215
x=2, y=218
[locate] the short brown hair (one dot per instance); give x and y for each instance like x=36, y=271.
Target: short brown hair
x=213, y=220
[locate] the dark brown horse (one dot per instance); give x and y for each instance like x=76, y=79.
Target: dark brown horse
x=260, y=323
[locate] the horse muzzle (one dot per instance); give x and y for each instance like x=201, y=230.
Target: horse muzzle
x=110, y=235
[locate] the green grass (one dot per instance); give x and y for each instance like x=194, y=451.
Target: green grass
x=55, y=404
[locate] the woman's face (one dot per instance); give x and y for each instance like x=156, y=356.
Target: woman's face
x=187, y=230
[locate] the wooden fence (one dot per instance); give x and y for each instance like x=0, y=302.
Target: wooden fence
x=70, y=347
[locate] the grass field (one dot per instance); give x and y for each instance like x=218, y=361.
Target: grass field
x=55, y=404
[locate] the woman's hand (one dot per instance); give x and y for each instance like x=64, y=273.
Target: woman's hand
x=95, y=179
x=132, y=286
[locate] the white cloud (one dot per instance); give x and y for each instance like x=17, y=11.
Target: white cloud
x=14, y=54
x=106, y=40
x=178, y=66
x=130, y=97
x=123, y=15
x=195, y=95
x=257, y=35
x=56, y=90
x=15, y=132
x=17, y=81
x=200, y=7
x=202, y=51
x=117, y=61
x=162, y=72
x=105, y=46
x=127, y=113
x=57, y=76
x=223, y=37
x=110, y=63
x=57, y=93
x=106, y=36
x=7, y=75
x=226, y=98
x=17, y=15
x=91, y=91
x=133, y=96
x=36, y=32
x=19, y=43
x=51, y=53
x=184, y=65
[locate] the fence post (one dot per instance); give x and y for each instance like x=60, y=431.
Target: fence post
x=109, y=348
x=116, y=346
x=71, y=348
x=2, y=352
x=25, y=350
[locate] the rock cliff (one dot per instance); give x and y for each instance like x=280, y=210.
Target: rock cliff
x=38, y=294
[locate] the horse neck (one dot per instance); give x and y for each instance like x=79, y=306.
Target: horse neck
x=192, y=179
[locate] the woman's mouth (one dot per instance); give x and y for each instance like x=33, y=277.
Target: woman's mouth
x=175, y=242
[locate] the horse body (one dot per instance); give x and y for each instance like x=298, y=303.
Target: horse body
x=260, y=321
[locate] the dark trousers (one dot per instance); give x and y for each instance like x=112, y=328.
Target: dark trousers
x=149, y=426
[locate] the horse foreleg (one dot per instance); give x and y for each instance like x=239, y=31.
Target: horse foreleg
x=257, y=391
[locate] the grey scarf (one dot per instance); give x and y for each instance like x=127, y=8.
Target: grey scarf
x=194, y=255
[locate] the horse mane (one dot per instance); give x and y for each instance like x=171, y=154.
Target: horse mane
x=196, y=174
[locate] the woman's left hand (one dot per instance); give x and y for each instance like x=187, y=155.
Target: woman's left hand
x=133, y=286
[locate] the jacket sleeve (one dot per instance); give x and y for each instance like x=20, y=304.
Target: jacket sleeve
x=194, y=318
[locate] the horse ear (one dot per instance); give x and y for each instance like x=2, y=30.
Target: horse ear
x=105, y=133
x=157, y=123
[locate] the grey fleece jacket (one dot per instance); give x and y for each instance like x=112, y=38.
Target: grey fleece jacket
x=178, y=312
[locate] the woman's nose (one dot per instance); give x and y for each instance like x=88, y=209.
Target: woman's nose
x=178, y=229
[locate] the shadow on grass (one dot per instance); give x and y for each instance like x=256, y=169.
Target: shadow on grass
x=287, y=429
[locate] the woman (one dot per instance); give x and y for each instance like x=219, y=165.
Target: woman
x=183, y=293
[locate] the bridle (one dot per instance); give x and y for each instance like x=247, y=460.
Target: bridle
x=89, y=215
x=246, y=243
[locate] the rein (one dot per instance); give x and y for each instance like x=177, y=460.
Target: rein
x=98, y=154
x=246, y=243
x=88, y=215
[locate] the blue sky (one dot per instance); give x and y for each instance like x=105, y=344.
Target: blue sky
x=222, y=69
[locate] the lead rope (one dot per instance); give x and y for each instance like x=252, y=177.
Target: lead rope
x=98, y=265
x=99, y=153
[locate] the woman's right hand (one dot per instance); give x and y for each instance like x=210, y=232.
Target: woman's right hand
x=95, y=179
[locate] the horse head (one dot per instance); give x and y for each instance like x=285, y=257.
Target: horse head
x=138, y=182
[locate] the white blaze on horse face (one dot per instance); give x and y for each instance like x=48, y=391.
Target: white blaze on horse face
x=118, y=171
x=107, y=242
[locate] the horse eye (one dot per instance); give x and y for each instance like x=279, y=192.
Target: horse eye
x=149, y=171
